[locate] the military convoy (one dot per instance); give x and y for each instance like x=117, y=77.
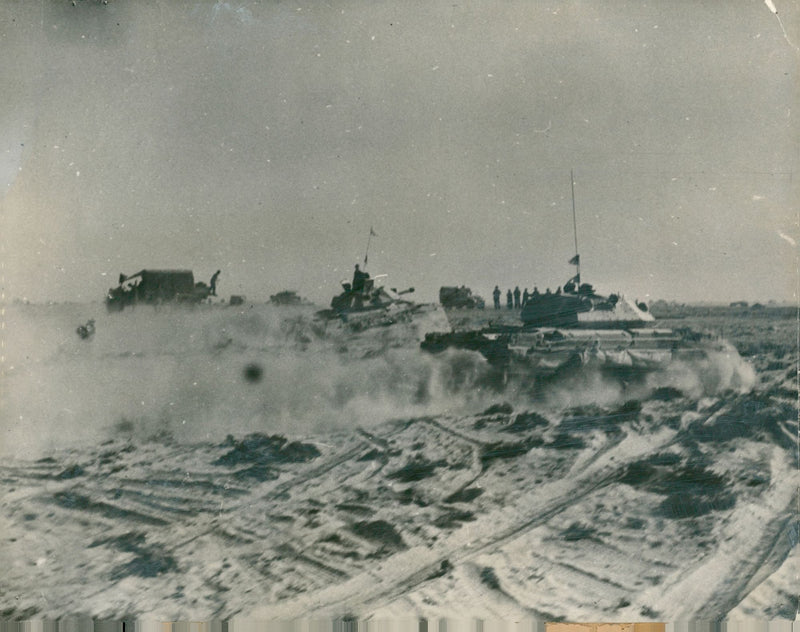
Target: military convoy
x=558, y=332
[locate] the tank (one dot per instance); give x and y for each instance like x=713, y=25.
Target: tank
x=369, y=304
x=559, y=334
x=155, y=287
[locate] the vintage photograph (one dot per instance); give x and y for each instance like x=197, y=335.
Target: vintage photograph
x=353, y=311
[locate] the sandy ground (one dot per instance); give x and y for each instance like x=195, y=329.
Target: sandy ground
x=259, y=464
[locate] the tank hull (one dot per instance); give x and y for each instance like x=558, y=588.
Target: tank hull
x=379, y=316
x=548, y=352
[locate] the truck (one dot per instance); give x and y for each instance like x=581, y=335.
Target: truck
x=155, y=287
x=453, y=297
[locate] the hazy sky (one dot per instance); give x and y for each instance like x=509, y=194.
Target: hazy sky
x=265, y=138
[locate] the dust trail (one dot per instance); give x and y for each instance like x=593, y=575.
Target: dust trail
x=714, y=373
x=200, y=375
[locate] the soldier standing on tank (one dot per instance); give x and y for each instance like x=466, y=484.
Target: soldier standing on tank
x=359, y=279
x=525, y=297
x=496, y=294
x=213, y=284
x=509, y=300
x=359, y=283
x=516, y=297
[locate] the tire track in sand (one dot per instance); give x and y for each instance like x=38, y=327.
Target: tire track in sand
x=405, y=571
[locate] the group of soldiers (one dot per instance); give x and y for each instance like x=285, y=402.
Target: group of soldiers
x=518, y=299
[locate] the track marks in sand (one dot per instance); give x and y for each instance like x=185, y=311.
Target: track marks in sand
x=716, y=584
x=490, y=531
x=394, y=514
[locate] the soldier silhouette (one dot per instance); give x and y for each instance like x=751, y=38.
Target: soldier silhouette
x=359, y=278
x=213, y=283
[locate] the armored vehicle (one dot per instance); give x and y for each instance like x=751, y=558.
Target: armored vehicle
x=561, y=334
x=155, y=287
x=285, y=297
x=451, y=297
x=575, y=327
x=366, y=298
x=372, y=305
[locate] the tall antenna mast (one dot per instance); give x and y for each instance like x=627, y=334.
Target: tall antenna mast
x=366, y=252
x=576, y=260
